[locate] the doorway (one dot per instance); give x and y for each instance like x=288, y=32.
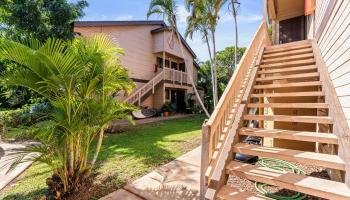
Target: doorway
x=291, y=30
x=177, y=97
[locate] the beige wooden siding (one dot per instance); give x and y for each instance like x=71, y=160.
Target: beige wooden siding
x=321, y=9
x=137, y=43
x=173, y=48
x=334, y=43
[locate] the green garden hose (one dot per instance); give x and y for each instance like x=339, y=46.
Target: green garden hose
x=280, y=165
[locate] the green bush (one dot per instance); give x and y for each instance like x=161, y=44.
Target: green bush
x=25, y=116
x=168, y=107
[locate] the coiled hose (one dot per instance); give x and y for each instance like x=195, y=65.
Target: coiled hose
x=280, y=165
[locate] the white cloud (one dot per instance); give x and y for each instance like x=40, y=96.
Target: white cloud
x=249, y=18
x=224, y=17
x=124, y=18
x=182, y=14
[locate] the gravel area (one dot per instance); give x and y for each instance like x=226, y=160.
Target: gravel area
x=247, y=185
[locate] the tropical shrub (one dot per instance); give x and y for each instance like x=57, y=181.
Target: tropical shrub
x=168, y=107
x=80, y=79
x=26, y=116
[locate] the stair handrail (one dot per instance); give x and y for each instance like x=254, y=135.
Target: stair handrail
x=227, y=109
x=176, y=76
x=138, y=93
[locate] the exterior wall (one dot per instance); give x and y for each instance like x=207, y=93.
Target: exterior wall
x=173, y=48
x=137, y=44
x=141, y=50
x=159, y=97
x=334, y=43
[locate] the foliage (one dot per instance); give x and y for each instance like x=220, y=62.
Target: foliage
x=204, y=19
x=41, y=19
x=124, y=157
x=80, y=79
x=168, y=9
x=25, y=116
x=168, y=107
x=225, y=60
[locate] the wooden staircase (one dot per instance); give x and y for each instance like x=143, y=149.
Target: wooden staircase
x=288, y=98
x=166, y=75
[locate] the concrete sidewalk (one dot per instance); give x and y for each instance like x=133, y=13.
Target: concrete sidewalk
x=6, y=159
x=177, y=180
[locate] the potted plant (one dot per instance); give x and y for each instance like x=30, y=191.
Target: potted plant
x=167, y=108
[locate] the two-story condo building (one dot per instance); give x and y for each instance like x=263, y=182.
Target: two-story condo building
x=146, y=43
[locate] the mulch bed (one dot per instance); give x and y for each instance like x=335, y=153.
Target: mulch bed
x=248, y=185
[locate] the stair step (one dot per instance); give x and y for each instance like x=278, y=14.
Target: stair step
x=327, y=138
x=288, y=94
x=292, y=76
x=231, y=193
x=288, y=105
x=288, y=53
x=305, y=184
x=289, y=85
x=289, y=64
x=291, y=69
x=308, y=158
x=279, y=49
x=289, y=118
x=288, y=58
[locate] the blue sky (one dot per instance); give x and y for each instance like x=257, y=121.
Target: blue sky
x=250, y=14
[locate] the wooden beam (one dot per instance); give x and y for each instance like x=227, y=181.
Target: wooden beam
x=297, y=182
x=291, y=118
x=289, y=85
x=308, y=158
x=327, y=138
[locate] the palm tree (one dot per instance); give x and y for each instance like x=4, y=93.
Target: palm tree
x=80, y=79
x=206, y=12
x=168, y=9
x=196, y=23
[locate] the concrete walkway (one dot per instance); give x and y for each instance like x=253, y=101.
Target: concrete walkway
x=177, y=180
x=6, y=149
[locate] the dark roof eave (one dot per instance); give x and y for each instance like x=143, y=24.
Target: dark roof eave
x=118, y=23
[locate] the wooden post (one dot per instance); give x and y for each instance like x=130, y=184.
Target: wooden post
x=181, y=77
x=139, y=98
x=204, y=158
x=153, y=86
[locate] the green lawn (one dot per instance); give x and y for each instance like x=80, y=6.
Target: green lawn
x=123, y=158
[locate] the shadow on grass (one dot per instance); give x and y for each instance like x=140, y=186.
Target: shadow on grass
x=151, y=143
x=128, y=155
x=28, y=196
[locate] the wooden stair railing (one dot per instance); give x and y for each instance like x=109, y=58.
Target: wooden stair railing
x=219, y=131
x=167, y=74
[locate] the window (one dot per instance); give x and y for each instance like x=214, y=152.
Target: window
x=167, y=64
x=173, y=65
x=159, y=62
x=182, y=67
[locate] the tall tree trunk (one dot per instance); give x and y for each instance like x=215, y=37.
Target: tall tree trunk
x=215, y=81
x=98, y=145
x=236, y=29
x=211, y=66
x=190, y=75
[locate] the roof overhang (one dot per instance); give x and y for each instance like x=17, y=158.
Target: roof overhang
x=285, y=9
